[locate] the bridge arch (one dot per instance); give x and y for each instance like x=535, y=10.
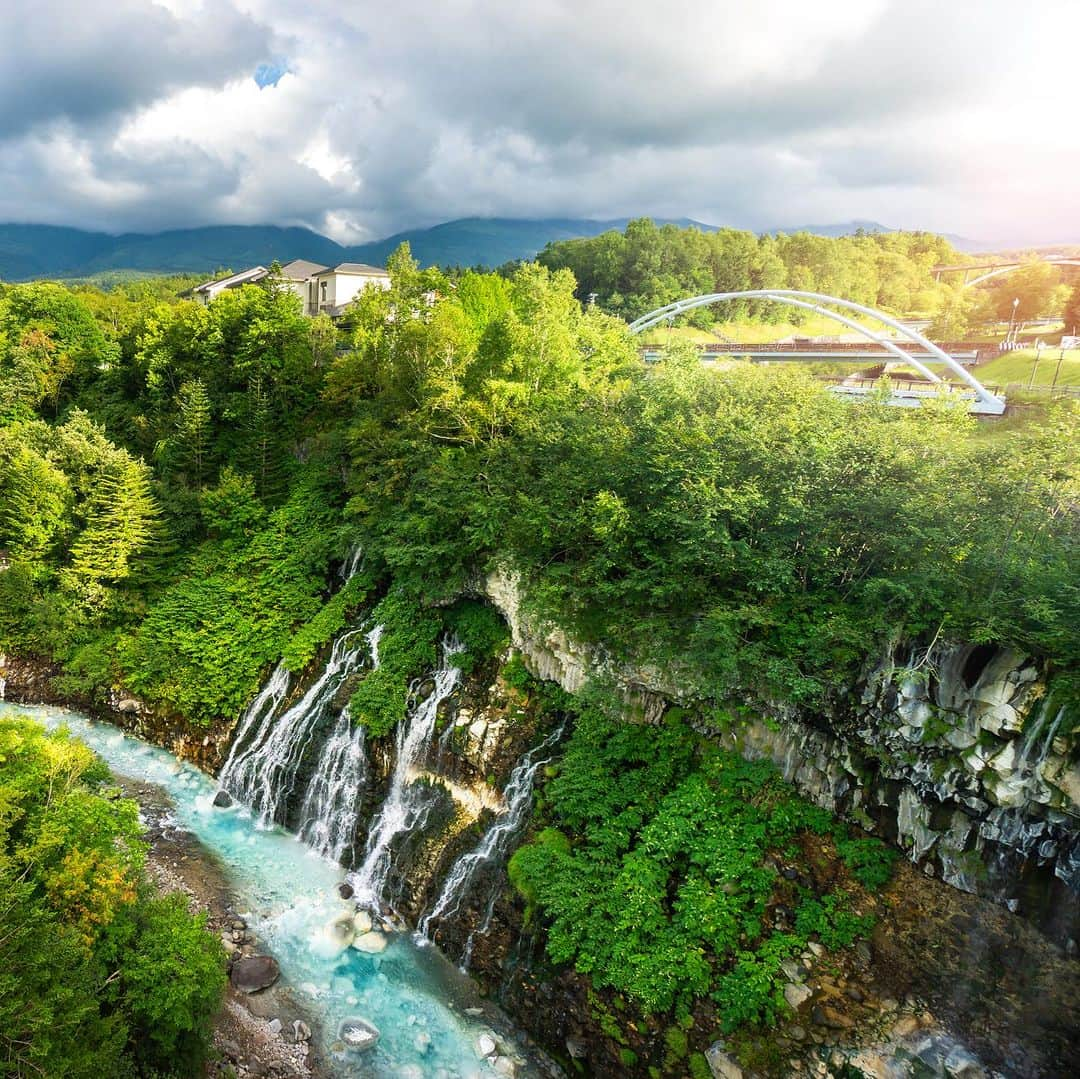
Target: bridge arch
x=1000, y=271
x=816, y=301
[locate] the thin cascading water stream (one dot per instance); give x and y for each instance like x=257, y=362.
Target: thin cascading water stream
x=351, y=564
x=406, y=806
x=259, y=712
x=262, y=775
x=331, y=809
x=492, y=850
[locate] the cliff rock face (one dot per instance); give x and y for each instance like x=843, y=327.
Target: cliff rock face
x=952, y=752
x=30, y=680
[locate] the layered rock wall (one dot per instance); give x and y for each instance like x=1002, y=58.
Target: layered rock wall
x=951, y=751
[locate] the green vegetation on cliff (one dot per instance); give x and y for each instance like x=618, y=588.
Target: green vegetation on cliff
x=677, y=874
x=180, y=486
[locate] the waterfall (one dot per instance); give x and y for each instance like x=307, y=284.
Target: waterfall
x=406, y=806
x=263, y=774
x=351, y=564
x=496, y=843
x=331, y=808
x=373, y=638
x=259, y=712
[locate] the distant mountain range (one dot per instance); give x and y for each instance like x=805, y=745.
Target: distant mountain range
x=49, y=251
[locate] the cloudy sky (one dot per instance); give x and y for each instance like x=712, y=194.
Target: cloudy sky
x=358, y=118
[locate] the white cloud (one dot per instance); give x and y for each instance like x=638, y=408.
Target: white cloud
x=911, y=112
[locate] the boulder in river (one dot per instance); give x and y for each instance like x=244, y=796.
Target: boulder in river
x=362, y=922
x=254, y=972
x=370, y=942
x=223, y=800
x=345, y=890
x=358, y=1034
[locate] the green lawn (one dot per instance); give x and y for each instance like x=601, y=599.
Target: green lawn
x=1017, y=367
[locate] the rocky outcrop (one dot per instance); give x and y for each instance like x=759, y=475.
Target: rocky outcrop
x=950, y=751
x=35, y=680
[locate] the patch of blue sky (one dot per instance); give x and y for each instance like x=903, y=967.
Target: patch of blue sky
x=269, y=72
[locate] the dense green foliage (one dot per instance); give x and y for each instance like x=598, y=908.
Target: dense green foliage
x=647, y=266
x=660, y=875
x=744, y=524
x=100, y=977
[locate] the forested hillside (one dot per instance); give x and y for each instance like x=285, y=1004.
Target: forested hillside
x=180, y=485
x=648, y=265
x=178, y=480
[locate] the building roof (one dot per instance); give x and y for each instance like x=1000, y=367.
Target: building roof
x=256, y=273
x=300, y=269
x=361, y=268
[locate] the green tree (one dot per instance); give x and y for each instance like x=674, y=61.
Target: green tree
x=194, y=424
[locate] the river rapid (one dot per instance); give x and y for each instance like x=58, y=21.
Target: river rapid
x=431, y=1021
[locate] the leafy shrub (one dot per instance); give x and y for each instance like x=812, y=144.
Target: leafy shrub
x=407, y=649
x=100, y=977
x=656, y=883
x=480, y=628
x=871, y=862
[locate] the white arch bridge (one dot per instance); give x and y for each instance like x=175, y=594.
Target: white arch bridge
x=981, y=400
x=986, y=271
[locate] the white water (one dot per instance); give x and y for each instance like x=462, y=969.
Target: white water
x=330, y=812
x=494, y=846
x=288, y=895
x=261, y=771
x=263, y=708
x=331, y=809
x=407, y=805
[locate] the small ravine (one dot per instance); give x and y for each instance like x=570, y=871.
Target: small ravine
x=432, y=1024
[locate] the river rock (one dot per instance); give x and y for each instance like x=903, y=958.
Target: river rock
x=337, y=936
x=301, y=1031
x=254, y=972
x=274, y=1026
x=358, y=1034
x=223, y=800
x=503, y=1066
x=486, y=1045
x=722, y=1064
x=797, y=994
x=362, y=922
x=345, y=890
x=372, y=943
x=960, y=1064
x=576, y=1048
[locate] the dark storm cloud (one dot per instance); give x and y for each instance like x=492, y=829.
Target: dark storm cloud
x=67, y=59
